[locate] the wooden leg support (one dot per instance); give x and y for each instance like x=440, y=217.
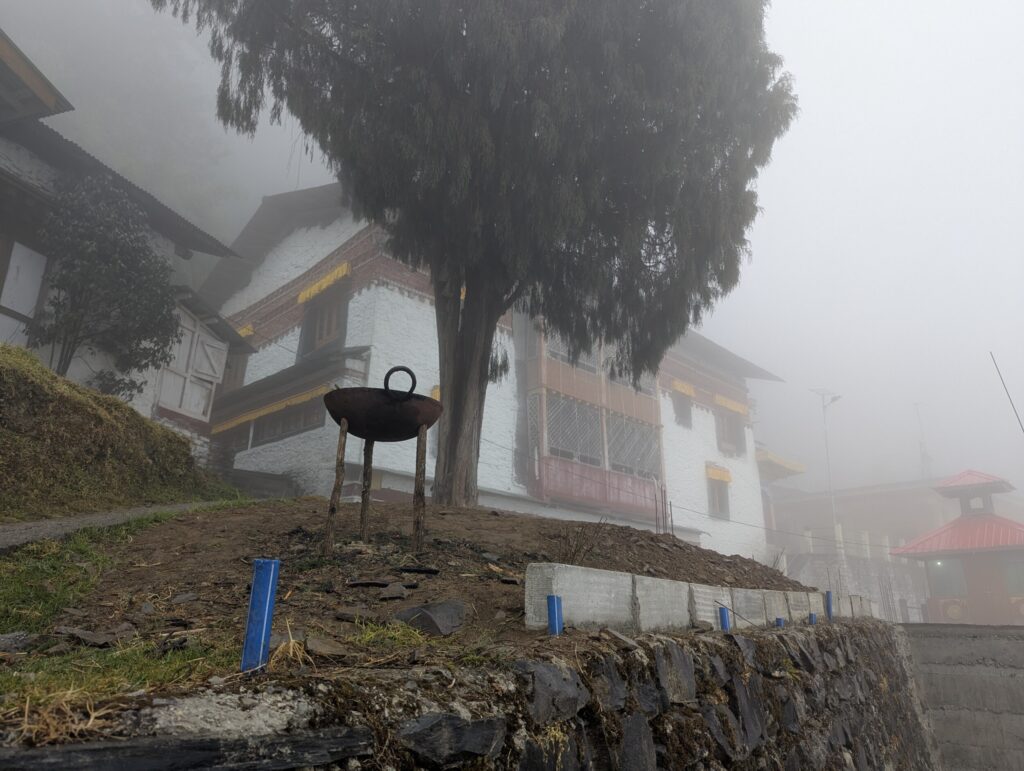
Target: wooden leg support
x=339, y=480
x=364, y=504
x=419, y=503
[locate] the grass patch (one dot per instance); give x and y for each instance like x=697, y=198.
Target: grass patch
x=40, y=579
x=69, y=449
x=387, y=637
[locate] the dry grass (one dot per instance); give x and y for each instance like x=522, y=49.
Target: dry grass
x=289, y=654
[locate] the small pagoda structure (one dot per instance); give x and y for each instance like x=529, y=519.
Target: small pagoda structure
x=974, y=563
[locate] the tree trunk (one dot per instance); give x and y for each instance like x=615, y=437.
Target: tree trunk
x=465, y=332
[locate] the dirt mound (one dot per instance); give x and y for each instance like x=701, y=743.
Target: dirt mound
x=66, y=449
x=192, y=572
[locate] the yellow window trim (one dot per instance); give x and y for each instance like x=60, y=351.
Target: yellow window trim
x=246, y=331
x=719, y=473
x=317, y=287
x=259, y=412
x=435, y=393
x=681, y=386
x=731, y=404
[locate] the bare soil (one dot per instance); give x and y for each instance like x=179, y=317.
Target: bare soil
x=192, y=573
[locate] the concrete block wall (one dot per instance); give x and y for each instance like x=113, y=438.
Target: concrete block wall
x=970, y=680
x=592, y=599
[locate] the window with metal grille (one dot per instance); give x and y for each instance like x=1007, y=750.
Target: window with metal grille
x=633, y=447
x=557, y=349
x=574, y=430
x=731, y=429
x=718, y=498
x=289, y=421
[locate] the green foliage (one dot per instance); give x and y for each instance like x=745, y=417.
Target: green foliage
x=592, y=162
x=69, y=450
x=110, y=291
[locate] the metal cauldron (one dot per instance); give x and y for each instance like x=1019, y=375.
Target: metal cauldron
x=383, y=414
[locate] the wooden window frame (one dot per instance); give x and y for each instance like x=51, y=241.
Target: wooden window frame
x=290, y=421
x=718, y=499
x=325, y=321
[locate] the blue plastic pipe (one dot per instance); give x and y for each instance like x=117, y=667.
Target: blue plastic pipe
x=555, y=624
x=828, y=604
x=812, y=618
x=723, y=619
x=780, y=622
x=256, y=649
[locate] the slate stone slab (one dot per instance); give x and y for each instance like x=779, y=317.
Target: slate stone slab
x=437, y=619
x=674, y=667
x=705, y=601
x=556, y=691
x=637, y=752
x=748, y=607
x=799, y=606
x=444, y=738
x=15, y=642
x=608, y=686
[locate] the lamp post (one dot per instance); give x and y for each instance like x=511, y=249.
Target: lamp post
x=827, y=400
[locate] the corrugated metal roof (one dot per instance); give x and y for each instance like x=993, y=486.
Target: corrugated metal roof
x=966, y=533
x=970, y=479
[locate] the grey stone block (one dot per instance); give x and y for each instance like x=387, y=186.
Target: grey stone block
x=590, y=598
x=662, y=605
x=748, y=608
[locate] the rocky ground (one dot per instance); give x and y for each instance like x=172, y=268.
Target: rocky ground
x=193, y=572
x=372, y=630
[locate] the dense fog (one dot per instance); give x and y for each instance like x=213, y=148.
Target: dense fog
x=884, y=267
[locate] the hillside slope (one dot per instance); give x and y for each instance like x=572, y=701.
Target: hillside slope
x=66, y=449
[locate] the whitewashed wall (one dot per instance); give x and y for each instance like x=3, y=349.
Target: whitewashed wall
x=290, y=258
x=687, y=451
x=399, y=328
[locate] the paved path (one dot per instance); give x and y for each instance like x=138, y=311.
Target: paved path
x=18, y=533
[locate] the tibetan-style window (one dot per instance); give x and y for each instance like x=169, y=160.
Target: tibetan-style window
x=288, y=422
x=325, y=320
x=731, y=429
x=682, y=407
x=718, y=498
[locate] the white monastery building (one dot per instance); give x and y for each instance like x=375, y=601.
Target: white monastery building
x=321, y=302
x=33, y=159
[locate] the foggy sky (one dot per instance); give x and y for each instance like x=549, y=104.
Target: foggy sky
x=885, y=264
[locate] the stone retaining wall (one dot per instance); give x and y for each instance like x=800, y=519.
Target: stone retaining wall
x=970, y=680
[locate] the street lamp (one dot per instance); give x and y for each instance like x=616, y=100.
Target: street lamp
x=827, y=400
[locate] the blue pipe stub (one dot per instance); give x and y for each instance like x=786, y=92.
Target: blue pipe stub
x=780, y=622
x=812, y=618
x=828, y=604
x=555, y=623
x=256, y=649
x=723, y=619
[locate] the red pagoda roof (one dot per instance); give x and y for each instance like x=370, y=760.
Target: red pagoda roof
x=967, y=533
x=971, y=480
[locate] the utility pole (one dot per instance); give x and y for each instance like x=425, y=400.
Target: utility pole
x=922, y=448
x=827, y=400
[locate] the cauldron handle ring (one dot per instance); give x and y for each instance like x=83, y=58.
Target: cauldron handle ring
x=398, y=396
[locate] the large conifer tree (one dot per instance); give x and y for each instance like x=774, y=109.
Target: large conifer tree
x=591, y=160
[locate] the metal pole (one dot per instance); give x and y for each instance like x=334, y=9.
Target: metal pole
x=998, y=372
